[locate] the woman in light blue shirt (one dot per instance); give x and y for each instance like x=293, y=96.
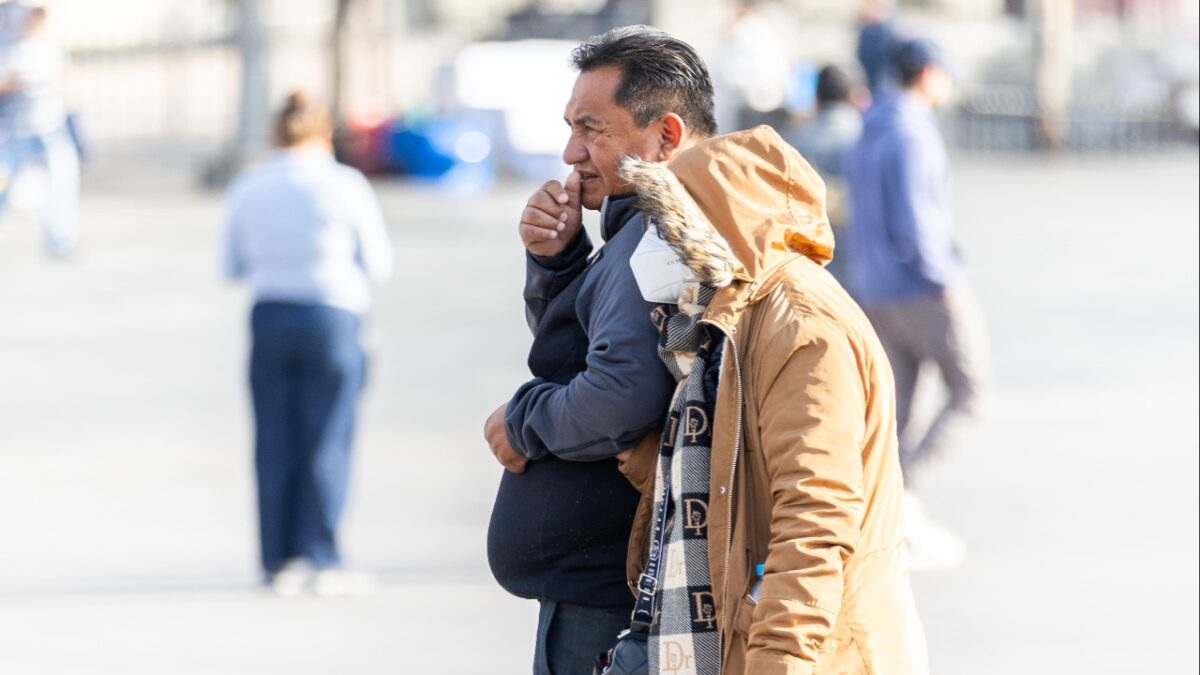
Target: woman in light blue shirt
x=307, y=235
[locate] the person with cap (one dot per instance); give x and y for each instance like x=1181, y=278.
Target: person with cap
x=908, y=274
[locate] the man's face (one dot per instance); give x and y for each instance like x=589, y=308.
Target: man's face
x=937, y=86
x=603, y=132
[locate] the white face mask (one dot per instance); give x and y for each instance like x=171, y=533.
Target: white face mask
x=661, y=275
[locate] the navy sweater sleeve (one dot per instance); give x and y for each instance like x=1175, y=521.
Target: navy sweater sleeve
x=915, y=192
x=547, y=276
x=624, y=390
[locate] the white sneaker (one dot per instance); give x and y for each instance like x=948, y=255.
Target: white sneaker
x=341, y=583
x=291, y=579
x=930, y=546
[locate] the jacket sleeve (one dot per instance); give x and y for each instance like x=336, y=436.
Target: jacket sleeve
x=374, y=246
x=639, y=467
x=233, y=258
x=812, y=424
x=547, y=276
x=621, y=394
x=917, y=201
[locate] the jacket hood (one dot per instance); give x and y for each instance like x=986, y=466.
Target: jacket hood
x=736, y=206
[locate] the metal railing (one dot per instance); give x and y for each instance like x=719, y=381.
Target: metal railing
x=1005, y=119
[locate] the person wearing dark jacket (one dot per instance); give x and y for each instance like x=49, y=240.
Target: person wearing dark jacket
x=562, y=518
x=877, y=37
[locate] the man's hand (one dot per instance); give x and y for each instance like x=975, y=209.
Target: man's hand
x=552, y=217
x=497, y=438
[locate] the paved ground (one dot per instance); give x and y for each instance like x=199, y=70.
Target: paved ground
x=125, y=490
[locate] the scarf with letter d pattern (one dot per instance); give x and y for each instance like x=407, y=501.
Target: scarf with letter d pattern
x=683, y=637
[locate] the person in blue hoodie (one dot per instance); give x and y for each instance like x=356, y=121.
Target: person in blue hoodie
x=908, y=275
x=560, y=526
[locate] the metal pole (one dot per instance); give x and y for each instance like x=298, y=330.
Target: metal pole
x=1056, y=22
x=337, y=60
x=254, y=110
x=250, y=40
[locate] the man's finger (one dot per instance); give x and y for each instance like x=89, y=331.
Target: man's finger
x=539, y=218
x=571, y=189
x=532, y=234
x=546, y=202
x=551, y=189
x=516, y=463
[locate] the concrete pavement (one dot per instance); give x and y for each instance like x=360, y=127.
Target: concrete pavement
x=125, y=485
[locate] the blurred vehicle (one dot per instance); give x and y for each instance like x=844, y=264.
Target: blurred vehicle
x=531, y=133
x=484, y=124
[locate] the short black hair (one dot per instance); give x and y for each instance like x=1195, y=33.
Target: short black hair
x=911, y=57
x=833, y=85
x=659, y=74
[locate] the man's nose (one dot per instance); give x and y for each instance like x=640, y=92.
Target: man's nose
x=575, y=152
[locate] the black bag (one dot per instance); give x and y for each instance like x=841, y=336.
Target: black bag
x=630, y=656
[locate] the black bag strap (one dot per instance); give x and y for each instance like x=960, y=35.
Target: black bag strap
x=647, y=585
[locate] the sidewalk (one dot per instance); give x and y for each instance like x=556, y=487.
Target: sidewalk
x=126, y=490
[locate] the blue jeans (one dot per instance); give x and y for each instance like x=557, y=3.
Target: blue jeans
x=56, y=150
x=306, y=371
x=570, y=636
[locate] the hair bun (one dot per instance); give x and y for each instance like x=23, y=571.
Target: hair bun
x=296, y=100
x=300, y=119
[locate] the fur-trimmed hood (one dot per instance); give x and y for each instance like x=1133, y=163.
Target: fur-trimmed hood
x=752, y=189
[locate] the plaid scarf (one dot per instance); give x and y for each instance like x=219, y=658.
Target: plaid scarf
x=683, y=637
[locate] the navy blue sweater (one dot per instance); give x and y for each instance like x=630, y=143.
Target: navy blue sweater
x=900, y=238
x=560, y=530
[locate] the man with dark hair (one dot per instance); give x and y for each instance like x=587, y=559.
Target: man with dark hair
x=561, y=522
x=908, y=277
x=833, y=86
x=661, y=74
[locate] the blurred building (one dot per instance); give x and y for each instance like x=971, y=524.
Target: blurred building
x=169, y=70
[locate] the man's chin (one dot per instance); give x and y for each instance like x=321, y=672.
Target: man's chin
x=591, y=199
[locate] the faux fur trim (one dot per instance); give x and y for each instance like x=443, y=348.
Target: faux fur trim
x=667, y=205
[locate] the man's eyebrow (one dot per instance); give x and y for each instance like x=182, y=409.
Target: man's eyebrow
x=582, y=119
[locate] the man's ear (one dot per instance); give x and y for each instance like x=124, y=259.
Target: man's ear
x=672, y=131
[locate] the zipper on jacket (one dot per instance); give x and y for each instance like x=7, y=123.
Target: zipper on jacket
x=737, y=448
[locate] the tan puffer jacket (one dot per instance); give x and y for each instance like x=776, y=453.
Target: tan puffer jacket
x=805, y=474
